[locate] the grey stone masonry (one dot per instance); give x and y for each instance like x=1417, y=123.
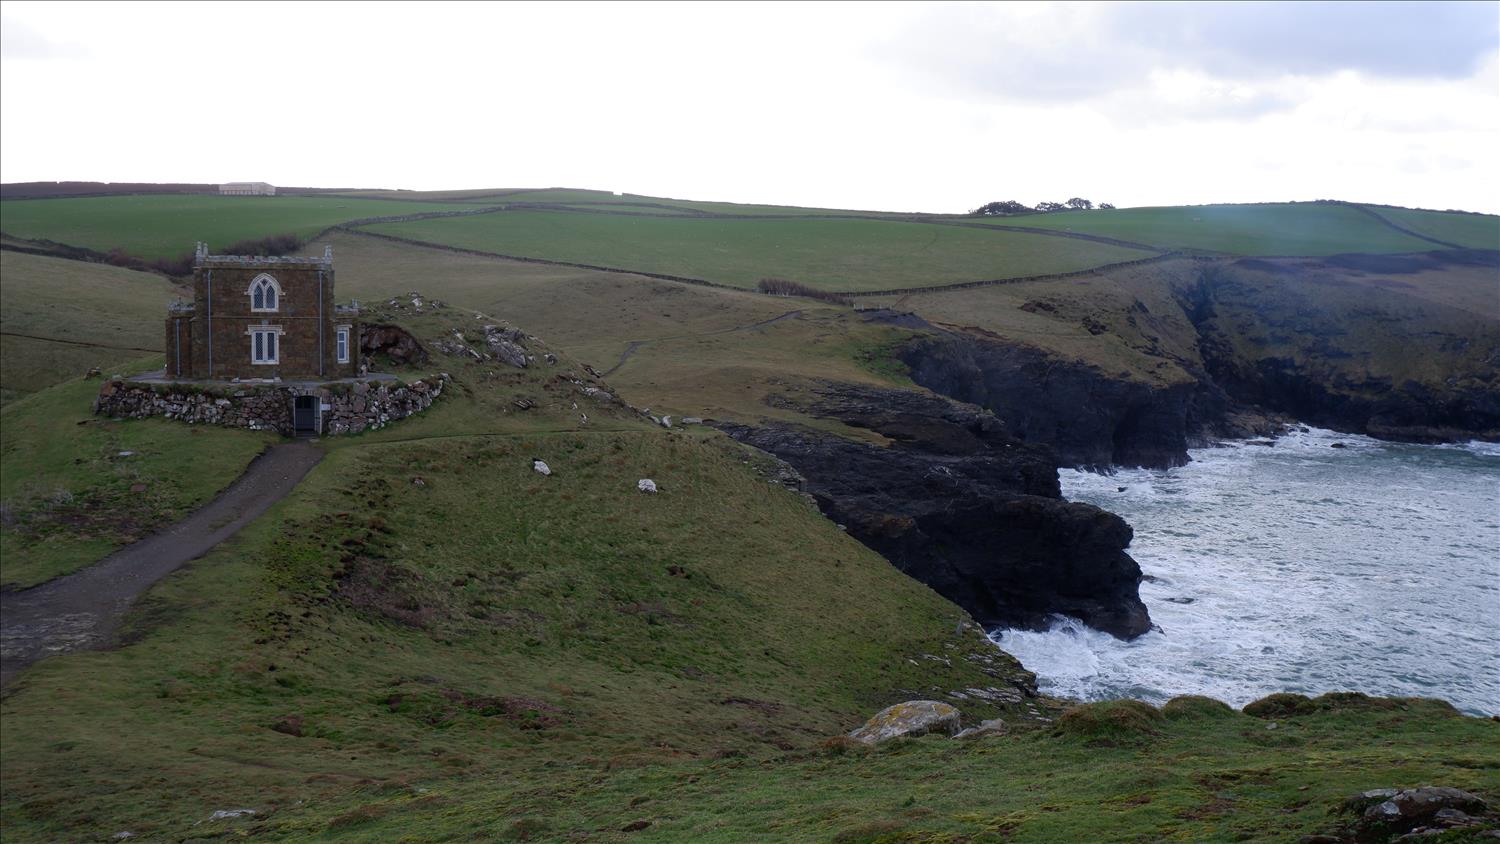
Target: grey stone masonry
x=345, y=407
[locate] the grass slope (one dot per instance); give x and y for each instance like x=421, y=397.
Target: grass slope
x=838, y=255
x=58, y=318
x=69, y=495
x=1208, y=776
x=1476, y=231
x=1271, y=229
x=168, y=225
x=675, y=348
x=373, y=635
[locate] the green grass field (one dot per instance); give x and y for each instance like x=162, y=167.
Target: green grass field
x=1272, y=229
x=1476, y=231
x=838, y=255
x=166, y=226
x=59, y=318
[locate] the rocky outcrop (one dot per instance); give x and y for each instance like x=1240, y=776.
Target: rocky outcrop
x=393, y=341
x=963, y=506
x=912, y=718
x=1089, y=418
x=508, y=345
x=1414, y=814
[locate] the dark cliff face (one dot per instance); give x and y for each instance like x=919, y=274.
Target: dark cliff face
x=1347, y=343
x=1088, y=418
x=961, y=505
x=1378, y=345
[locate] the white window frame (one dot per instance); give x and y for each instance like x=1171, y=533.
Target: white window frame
x=267, y=282
x=254, y=332
x=342, y=337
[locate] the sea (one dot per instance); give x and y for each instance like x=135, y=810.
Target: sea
x=1298, y=567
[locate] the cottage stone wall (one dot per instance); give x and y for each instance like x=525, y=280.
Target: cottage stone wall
x=352, y=407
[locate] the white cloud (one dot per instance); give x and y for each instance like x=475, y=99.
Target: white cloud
x=869, y=106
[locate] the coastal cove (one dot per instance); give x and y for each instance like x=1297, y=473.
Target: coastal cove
x=1323, y=562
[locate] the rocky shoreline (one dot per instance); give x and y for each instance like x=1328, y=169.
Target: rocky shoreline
x=960, y=504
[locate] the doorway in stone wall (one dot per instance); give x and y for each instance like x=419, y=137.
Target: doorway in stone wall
x=305, y=416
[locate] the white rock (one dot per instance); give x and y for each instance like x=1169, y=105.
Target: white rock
x=646, y=485
x=541, y=468
x=226, y=814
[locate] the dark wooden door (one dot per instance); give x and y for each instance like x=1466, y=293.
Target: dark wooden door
x=305, y=416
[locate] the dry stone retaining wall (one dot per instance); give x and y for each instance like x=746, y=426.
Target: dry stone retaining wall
x=348, y=408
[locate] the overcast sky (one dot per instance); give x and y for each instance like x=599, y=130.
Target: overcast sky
x=880, y=106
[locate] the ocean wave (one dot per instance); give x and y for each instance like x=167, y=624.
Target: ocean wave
x=1298, y=567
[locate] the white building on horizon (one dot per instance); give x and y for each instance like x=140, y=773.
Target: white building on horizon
x=247, y=189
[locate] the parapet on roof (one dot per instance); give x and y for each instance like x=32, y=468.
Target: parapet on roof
x=201, y=257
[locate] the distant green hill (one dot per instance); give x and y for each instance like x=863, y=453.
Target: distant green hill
x=838, y=255
x=739, y=244
x=166, y=226
x=1303, y=228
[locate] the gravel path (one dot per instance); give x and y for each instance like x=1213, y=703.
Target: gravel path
x=80, y=611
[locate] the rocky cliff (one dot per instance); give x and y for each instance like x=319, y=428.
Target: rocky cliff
x=1403, y=347
x=959, y=503
x=1400, y=347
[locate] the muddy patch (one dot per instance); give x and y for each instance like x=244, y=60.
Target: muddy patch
x=386, y=590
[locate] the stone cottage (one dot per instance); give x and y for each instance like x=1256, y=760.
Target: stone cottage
x=262, y=318
x=263, y=346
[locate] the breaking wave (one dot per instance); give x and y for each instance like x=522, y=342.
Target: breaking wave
x=1298, y=566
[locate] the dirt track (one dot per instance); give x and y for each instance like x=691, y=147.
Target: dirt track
x=80, y=611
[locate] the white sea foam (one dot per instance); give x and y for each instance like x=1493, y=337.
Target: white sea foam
x=1374, y=567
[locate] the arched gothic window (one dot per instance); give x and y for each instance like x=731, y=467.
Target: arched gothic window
x=265, y=293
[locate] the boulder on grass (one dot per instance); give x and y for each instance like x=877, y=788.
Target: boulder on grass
x=912, y=718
